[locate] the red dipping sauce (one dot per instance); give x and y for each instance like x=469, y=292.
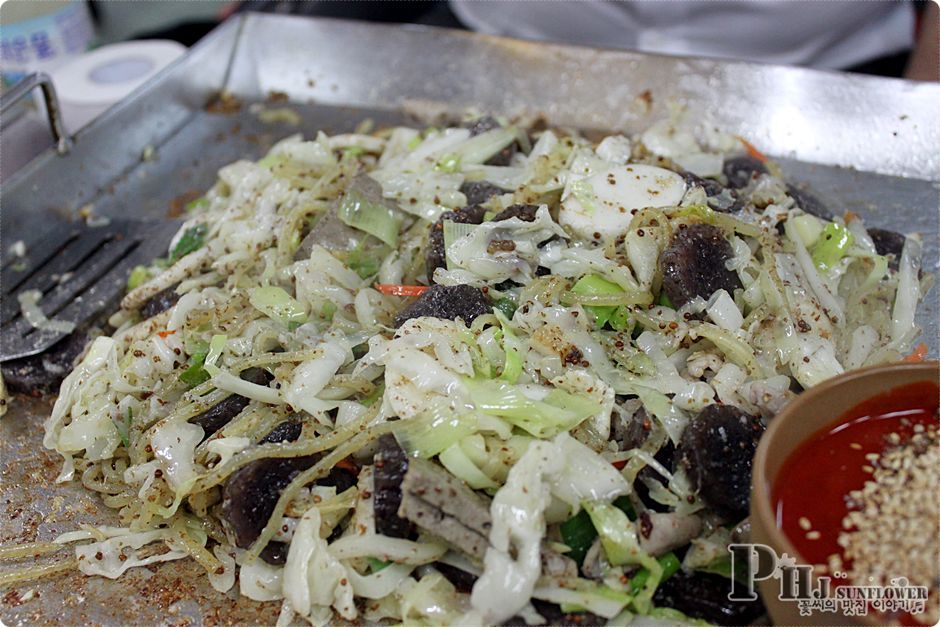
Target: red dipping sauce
x=814, y=481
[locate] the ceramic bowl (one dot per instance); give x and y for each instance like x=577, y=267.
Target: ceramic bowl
x=819, y=407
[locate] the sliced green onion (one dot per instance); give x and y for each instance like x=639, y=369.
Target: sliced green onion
x=834, y=242
x=670, y=565
x=594, y=284
x=718, y=567
x=506, y=306
x=375, y=565
x=606, y=300
x=365, y=263
x=414, y=142
x=193, y=344
x=620, y=320
x=195, y=373
x=624, y=505
x=621, y=546
x=578, y=533
x=373, y=218
x=633, y=297
x=138, y=276
x=199, y=203
x=278, y=305
x=192, y=240
x=596, y=288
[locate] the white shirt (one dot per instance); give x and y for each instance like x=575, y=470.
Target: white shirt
x=833, y=34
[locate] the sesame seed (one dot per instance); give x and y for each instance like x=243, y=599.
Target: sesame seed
x=813, y=535
x=892, y=526
x=805, y=524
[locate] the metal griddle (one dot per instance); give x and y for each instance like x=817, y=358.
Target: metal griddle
x=865, y=144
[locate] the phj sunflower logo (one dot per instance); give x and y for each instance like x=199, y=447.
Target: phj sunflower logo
x=751, y=563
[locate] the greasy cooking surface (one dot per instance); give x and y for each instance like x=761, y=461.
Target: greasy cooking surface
x=176, y=592
x=191, y=144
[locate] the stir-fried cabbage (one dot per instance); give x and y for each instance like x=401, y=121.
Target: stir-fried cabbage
x=295, y=361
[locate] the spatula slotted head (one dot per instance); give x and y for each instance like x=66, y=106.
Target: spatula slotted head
x=81, y=272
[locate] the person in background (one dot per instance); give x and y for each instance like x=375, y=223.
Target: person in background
x=924, y=64
x=875, y=36
x=883, y=37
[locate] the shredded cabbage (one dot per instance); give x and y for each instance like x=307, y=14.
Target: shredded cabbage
x=622, y=546
x=313, y=577
x=29, y=300
x=562, y=371
x=563, y=468
x=274, y=302
x=112, y=557
x=539, y=411
x=507, y=582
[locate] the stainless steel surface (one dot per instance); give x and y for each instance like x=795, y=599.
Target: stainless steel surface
x=33, y=506
x=865, y=144
x=878, y=125
x=81, y=272
x=23, y=89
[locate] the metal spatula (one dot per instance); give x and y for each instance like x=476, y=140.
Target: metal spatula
x=81, y=272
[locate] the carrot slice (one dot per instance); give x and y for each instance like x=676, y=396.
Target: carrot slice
x=165, y=334
x=752, y=150
x=918, y=354
x=348, y=465
x=401, y=290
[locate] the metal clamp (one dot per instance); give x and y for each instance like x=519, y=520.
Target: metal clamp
x=53, y=113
